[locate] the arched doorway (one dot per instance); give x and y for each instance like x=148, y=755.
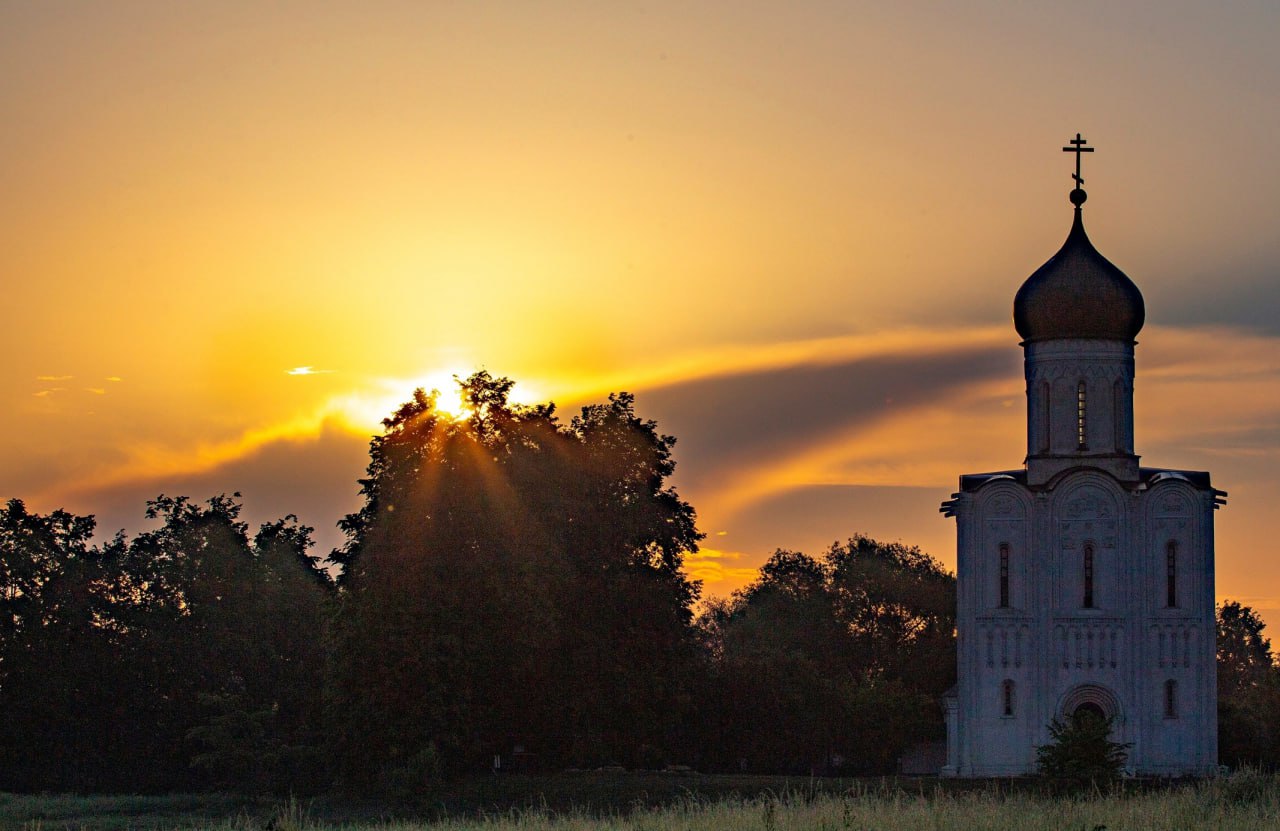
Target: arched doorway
x=1090, y=701
x=1088, y=711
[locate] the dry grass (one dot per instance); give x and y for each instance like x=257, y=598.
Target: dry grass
x=1167, y=810
x=1246, y=800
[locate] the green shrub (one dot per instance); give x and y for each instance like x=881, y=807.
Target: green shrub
x=1081, y=750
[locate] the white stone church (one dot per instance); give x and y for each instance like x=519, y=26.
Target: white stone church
x=1085, y=579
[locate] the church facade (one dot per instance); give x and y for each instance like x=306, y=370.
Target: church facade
x=1085, y=580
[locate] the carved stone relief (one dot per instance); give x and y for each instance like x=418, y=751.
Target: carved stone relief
x=1005, y=644
x=1088, y=644
x=1172, y=504
x=1088, y=517
x=1172, y=644
x=1004, y=506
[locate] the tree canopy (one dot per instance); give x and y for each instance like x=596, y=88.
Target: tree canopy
x=116, y=659
x=512, y=581
x=1248, y=690
x=844, y=657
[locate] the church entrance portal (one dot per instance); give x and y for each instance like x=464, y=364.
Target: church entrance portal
x=1090, y=700
x=1088, y=711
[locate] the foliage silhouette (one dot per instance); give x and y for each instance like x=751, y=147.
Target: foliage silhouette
x=842, y=658
x=1080, y=750
x=1248, y=690
x=511, y=581
x=109, y=654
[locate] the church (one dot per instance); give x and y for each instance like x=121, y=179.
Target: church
x=1085, y=580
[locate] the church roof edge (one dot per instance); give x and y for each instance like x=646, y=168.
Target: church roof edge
x=1147, y=476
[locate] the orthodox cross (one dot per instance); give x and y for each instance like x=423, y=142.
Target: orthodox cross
x=1078, y=148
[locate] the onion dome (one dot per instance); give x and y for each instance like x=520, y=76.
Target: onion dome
x=1078, y=293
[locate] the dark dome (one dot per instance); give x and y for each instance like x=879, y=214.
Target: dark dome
x=1078, y=294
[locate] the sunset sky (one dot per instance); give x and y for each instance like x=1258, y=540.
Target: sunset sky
x=234, y=236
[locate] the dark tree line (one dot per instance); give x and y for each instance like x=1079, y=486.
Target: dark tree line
x=512, y=588
x=184, y=657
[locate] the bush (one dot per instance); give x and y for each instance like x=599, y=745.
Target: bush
x=1081, y=750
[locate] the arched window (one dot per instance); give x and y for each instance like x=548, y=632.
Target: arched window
x=1004, y=575
x=1171, y=574
x=1046, y=400
x=1088, y=575
x=1006, y=695
x=1170, y=699
x=1080, y=412
x=1117, y=408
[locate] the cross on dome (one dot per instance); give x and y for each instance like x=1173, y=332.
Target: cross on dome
x=1078, y=195
x=1078, y=149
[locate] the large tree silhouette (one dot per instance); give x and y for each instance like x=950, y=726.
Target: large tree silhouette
x=513, y=581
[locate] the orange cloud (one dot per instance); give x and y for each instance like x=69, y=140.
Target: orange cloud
x=719, y=570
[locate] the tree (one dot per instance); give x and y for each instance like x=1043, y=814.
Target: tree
x=1081, y=750
x=54, y=656
x=1244, y=655
x=513, y=580
x=782, y=687
x=236, y=625
x=899, y=604
x=115, y=657
x=1248, y=690
x=36, y=552
x=259, y=726
x=842, y=657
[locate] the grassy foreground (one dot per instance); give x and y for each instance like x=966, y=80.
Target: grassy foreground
x=1242, y=801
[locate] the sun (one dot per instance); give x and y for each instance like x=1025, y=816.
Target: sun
x=364, y=409
x=444, y=383
x=449, y=402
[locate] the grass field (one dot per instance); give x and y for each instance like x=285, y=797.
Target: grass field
x=1243, y=801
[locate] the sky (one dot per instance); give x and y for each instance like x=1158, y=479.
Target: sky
x=234, y=236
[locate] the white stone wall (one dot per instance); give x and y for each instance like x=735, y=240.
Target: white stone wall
x=1057, y=653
